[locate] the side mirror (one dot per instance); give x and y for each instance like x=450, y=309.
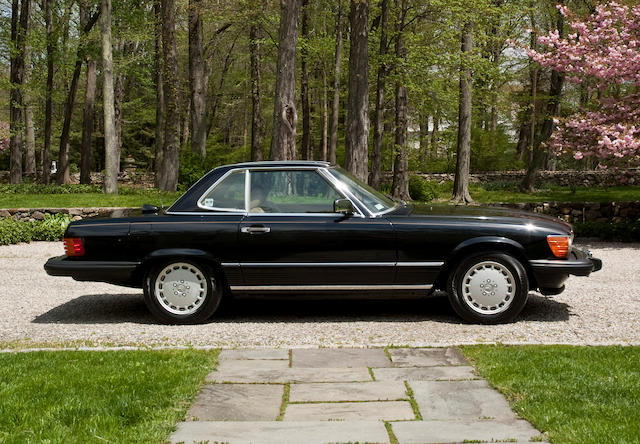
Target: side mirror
x=343, y=206
x=149, y=209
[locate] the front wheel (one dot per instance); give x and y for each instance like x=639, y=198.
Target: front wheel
x=488, y=288
x=182, y=292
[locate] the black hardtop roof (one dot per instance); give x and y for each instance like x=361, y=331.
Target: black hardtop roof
x=279, y=163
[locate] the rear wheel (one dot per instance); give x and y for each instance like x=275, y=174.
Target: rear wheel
x=182, y=292
x=489, y=288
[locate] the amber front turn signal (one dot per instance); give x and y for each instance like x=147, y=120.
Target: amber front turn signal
x=73, y=246
x=560, y=245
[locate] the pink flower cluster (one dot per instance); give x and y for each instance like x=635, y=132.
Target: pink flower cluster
x=605, y=48
x=4, y=136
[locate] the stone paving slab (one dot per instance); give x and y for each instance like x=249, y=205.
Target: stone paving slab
x=460, y=400
x=348, y=391
x=337, y=358
x=307, y=432
x=237, y=402
x=239, y=366
x=255, y=353
x=426, y=357
x=428, y=432
x=424, y=373
x=250, y=375
x=350, y=411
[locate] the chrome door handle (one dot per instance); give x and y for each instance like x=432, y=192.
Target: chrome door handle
x=255, y=230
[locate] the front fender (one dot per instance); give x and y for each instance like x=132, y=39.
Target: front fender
x=478, y=244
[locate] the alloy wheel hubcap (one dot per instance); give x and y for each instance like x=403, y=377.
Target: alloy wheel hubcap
x=488, y=287
x=180, y=288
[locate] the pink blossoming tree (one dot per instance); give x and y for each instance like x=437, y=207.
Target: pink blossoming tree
x=604, y=51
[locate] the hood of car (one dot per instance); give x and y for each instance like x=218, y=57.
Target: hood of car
x=480, y=213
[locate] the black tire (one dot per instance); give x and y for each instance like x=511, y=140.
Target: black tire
x=509, y=287
x=208, y=291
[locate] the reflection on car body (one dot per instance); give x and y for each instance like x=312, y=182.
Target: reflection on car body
x=311, y=230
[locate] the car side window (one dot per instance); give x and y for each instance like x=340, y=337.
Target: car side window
x=290, y=191
x=227, y=194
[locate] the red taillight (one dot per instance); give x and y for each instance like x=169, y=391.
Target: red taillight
x=560, y=245
x=73, y=246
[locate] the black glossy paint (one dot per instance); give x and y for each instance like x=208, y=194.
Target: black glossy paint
x=407, y=247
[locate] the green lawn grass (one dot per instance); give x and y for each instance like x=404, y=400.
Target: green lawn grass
x=573, y=394
x=92, y=396
x=14, y=198
x=555, y=194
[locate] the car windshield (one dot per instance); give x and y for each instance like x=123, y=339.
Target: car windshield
x=375, y=201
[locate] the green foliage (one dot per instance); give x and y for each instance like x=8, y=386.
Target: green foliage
x=422, y=189
x=492, y=151
x=574, y=394
x=93, y=396
x=51, y=228
x=613, y=231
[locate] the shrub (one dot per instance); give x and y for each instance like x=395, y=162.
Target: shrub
x=614, y=231
x=422, y=189
x=51, y=228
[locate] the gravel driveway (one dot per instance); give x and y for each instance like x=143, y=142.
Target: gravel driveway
x=36, y=309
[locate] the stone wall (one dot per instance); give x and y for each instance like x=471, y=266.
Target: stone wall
x=571, y=212
x=31, y=214
x=599, y=178
x=583, y=211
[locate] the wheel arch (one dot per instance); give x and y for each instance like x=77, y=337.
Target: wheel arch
x=165, y=254
x=484, y=244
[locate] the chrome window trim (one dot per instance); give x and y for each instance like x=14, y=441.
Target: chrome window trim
x=216, y=183
x=371, y=214
x=344, y=190
x=300, y=168
x=206, y=213
x=327, y=287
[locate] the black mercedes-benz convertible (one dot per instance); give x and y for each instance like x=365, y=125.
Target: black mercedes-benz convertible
x=310, y=230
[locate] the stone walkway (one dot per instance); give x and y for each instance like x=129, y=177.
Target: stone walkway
x=349, y=395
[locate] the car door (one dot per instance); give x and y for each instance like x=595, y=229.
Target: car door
x=292, y=240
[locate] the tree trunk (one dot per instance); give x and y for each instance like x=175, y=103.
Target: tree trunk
x=198, y=80
x=87, y=121
x=110, y=148
x=118, y=98
x=400, y=183
x=159, y=141
x=19, y=28
x=378, y=122
x=257, y=126
x=461, y=182
x=304, y=84
x=169, y=176
x=553, y=106
x=325, y=118
x=48, y=113
x=356, y=154
x=434, y=135
x=63, y=156
x=30, y=133
x=285, y=115
x=335, y=106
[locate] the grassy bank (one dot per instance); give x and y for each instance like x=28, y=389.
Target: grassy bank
x=69, y=196
x=573, y=394
x=75, y=396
